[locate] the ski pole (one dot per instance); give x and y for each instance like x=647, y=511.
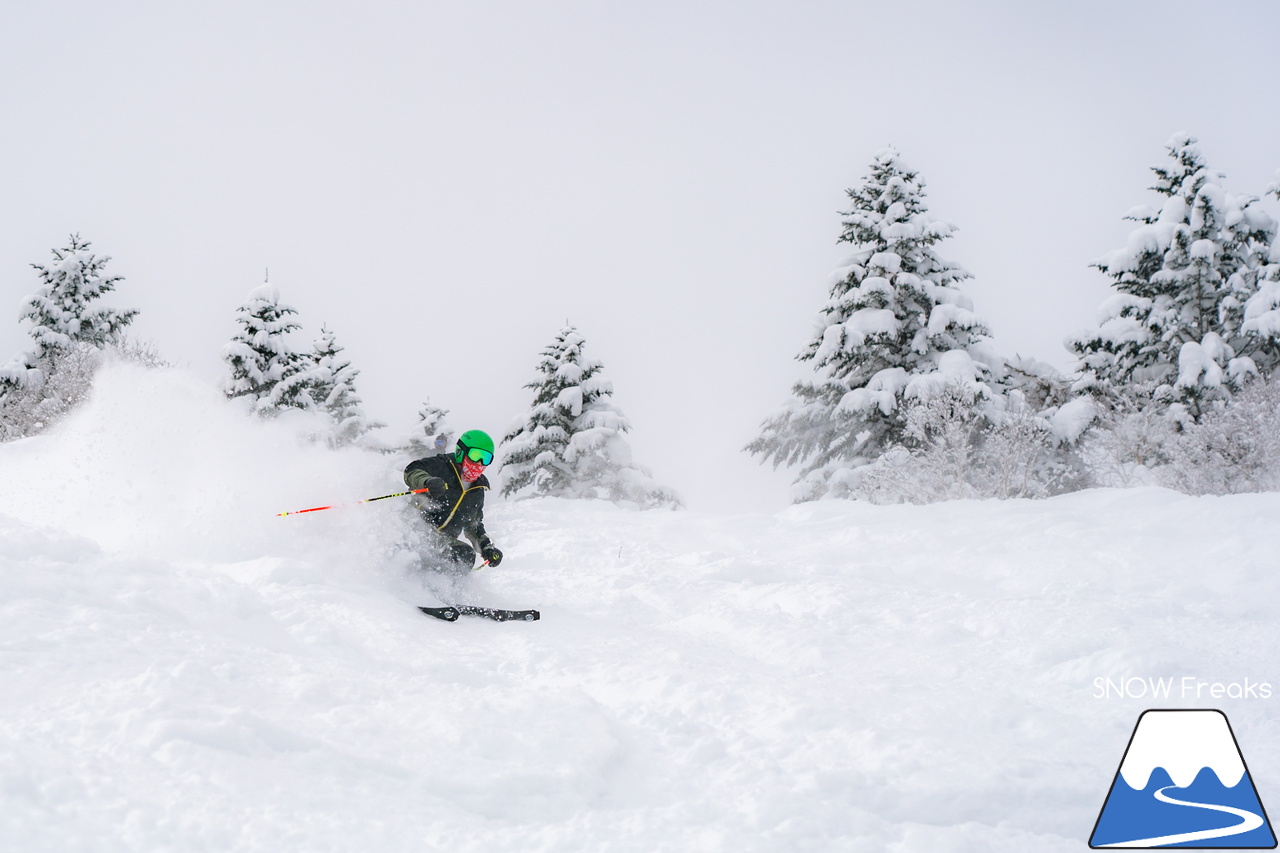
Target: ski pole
x=365, y=501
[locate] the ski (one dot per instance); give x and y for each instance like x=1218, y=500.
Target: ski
x=499, y=615
x=451, y=614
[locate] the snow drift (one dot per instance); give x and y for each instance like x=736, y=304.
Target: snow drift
x=185, y=670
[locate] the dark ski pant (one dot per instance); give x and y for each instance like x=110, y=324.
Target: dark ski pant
x=453, y=557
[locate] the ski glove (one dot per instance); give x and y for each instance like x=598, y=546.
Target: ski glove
x=436, y=488
x=491, y=555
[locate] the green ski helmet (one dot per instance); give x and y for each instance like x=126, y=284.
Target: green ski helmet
x=475, y=445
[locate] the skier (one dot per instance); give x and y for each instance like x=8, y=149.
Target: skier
x=453, y=504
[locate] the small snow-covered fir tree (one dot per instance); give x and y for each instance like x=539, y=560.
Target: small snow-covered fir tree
x=63, y=312
x=571, y=443
x=433, y=434
x=70, y=328
x=263, y=366
x=331, y=382
x=895, y=326
x=1177, y=323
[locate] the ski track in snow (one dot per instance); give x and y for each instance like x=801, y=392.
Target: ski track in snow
x=185, y=671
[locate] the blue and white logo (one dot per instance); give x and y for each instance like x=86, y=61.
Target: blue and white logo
x=1183, y=783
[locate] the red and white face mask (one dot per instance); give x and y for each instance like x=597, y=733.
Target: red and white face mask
x=471, y=471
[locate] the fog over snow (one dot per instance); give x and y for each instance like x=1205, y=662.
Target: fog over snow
x=445, y=185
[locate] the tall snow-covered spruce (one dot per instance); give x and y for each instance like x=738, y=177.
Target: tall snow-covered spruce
x=264, y=368
x=571, y=442
x=1183, y=325
x=895, y=327
x=332, y=385
x=70, y=328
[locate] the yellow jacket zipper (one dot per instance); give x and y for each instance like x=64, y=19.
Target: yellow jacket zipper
x=452, y=512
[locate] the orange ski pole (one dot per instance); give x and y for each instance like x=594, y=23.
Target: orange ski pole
x=365, y=501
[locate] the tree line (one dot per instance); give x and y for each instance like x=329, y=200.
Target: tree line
x=911, y=401
x=909, y=398
x=570, y=443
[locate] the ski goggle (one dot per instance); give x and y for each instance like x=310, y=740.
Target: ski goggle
x=475, y=454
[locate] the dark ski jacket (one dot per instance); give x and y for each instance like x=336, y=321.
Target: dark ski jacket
x=461, y=513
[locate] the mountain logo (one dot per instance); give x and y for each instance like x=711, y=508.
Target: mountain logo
x=1183, y=783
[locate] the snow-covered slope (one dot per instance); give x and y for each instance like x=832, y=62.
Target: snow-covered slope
x=183, y=670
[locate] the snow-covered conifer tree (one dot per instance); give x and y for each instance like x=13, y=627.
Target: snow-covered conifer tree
x=331, y=384
x=571, y=441
x=1261, y=322
x=63, y=313
x=1176, y=328
x=69, y=328
x=433, y=434
x=64, y=310
x=263, y=366
x=895, y=325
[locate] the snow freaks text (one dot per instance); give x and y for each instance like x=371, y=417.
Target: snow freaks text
x=1186, y=687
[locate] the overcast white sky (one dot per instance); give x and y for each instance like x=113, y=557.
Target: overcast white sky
x=445, y=184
